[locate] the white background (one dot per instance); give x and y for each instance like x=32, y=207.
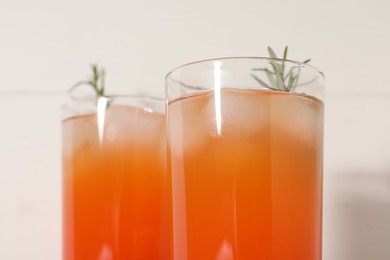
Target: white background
x=46, y=46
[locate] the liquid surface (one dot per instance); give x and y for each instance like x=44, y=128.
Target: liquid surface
x=246, y=176
x=115, y=186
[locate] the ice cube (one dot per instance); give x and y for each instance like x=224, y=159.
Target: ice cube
x=119, y=124
x=195, y=120
x=132, y=124
x=297, y=115
x=186, y=128
x=78, y=133
x=242, y=113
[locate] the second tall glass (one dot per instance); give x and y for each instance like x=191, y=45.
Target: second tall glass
x=245, y=145
x=115, y=183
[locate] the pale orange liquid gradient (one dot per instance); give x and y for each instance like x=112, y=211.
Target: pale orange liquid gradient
x=116, y=195
x=247, y=182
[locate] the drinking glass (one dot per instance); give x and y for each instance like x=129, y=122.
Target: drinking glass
x=246, y=158
x=115, y=183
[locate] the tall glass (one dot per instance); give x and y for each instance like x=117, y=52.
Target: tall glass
x=245, y=152
x=115, y=183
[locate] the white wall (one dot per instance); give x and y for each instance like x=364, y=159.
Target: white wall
x=45, y=46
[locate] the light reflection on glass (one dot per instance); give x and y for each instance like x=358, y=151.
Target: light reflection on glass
x=217, y=95
x=101, y=114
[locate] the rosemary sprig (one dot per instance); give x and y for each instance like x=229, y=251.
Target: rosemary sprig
x=278, y=78
x=96, y=81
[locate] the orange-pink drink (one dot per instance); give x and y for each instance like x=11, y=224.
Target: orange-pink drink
x=246, y=175
x=115, y=188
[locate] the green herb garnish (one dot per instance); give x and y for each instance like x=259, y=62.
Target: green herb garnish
x=278, y=78
x=96, y=81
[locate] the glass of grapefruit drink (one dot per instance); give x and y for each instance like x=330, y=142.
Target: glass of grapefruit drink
x=116, y=201
x=245, y=154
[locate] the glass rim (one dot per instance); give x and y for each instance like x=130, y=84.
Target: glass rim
x=75, y=98
x=313, y=68
x=150, y=104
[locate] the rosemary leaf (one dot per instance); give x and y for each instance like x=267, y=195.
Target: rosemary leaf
x=270, y=77
x=261, y=82
x=276, y=76
x=96, y=81
x=285, y=53
x=272, y=53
